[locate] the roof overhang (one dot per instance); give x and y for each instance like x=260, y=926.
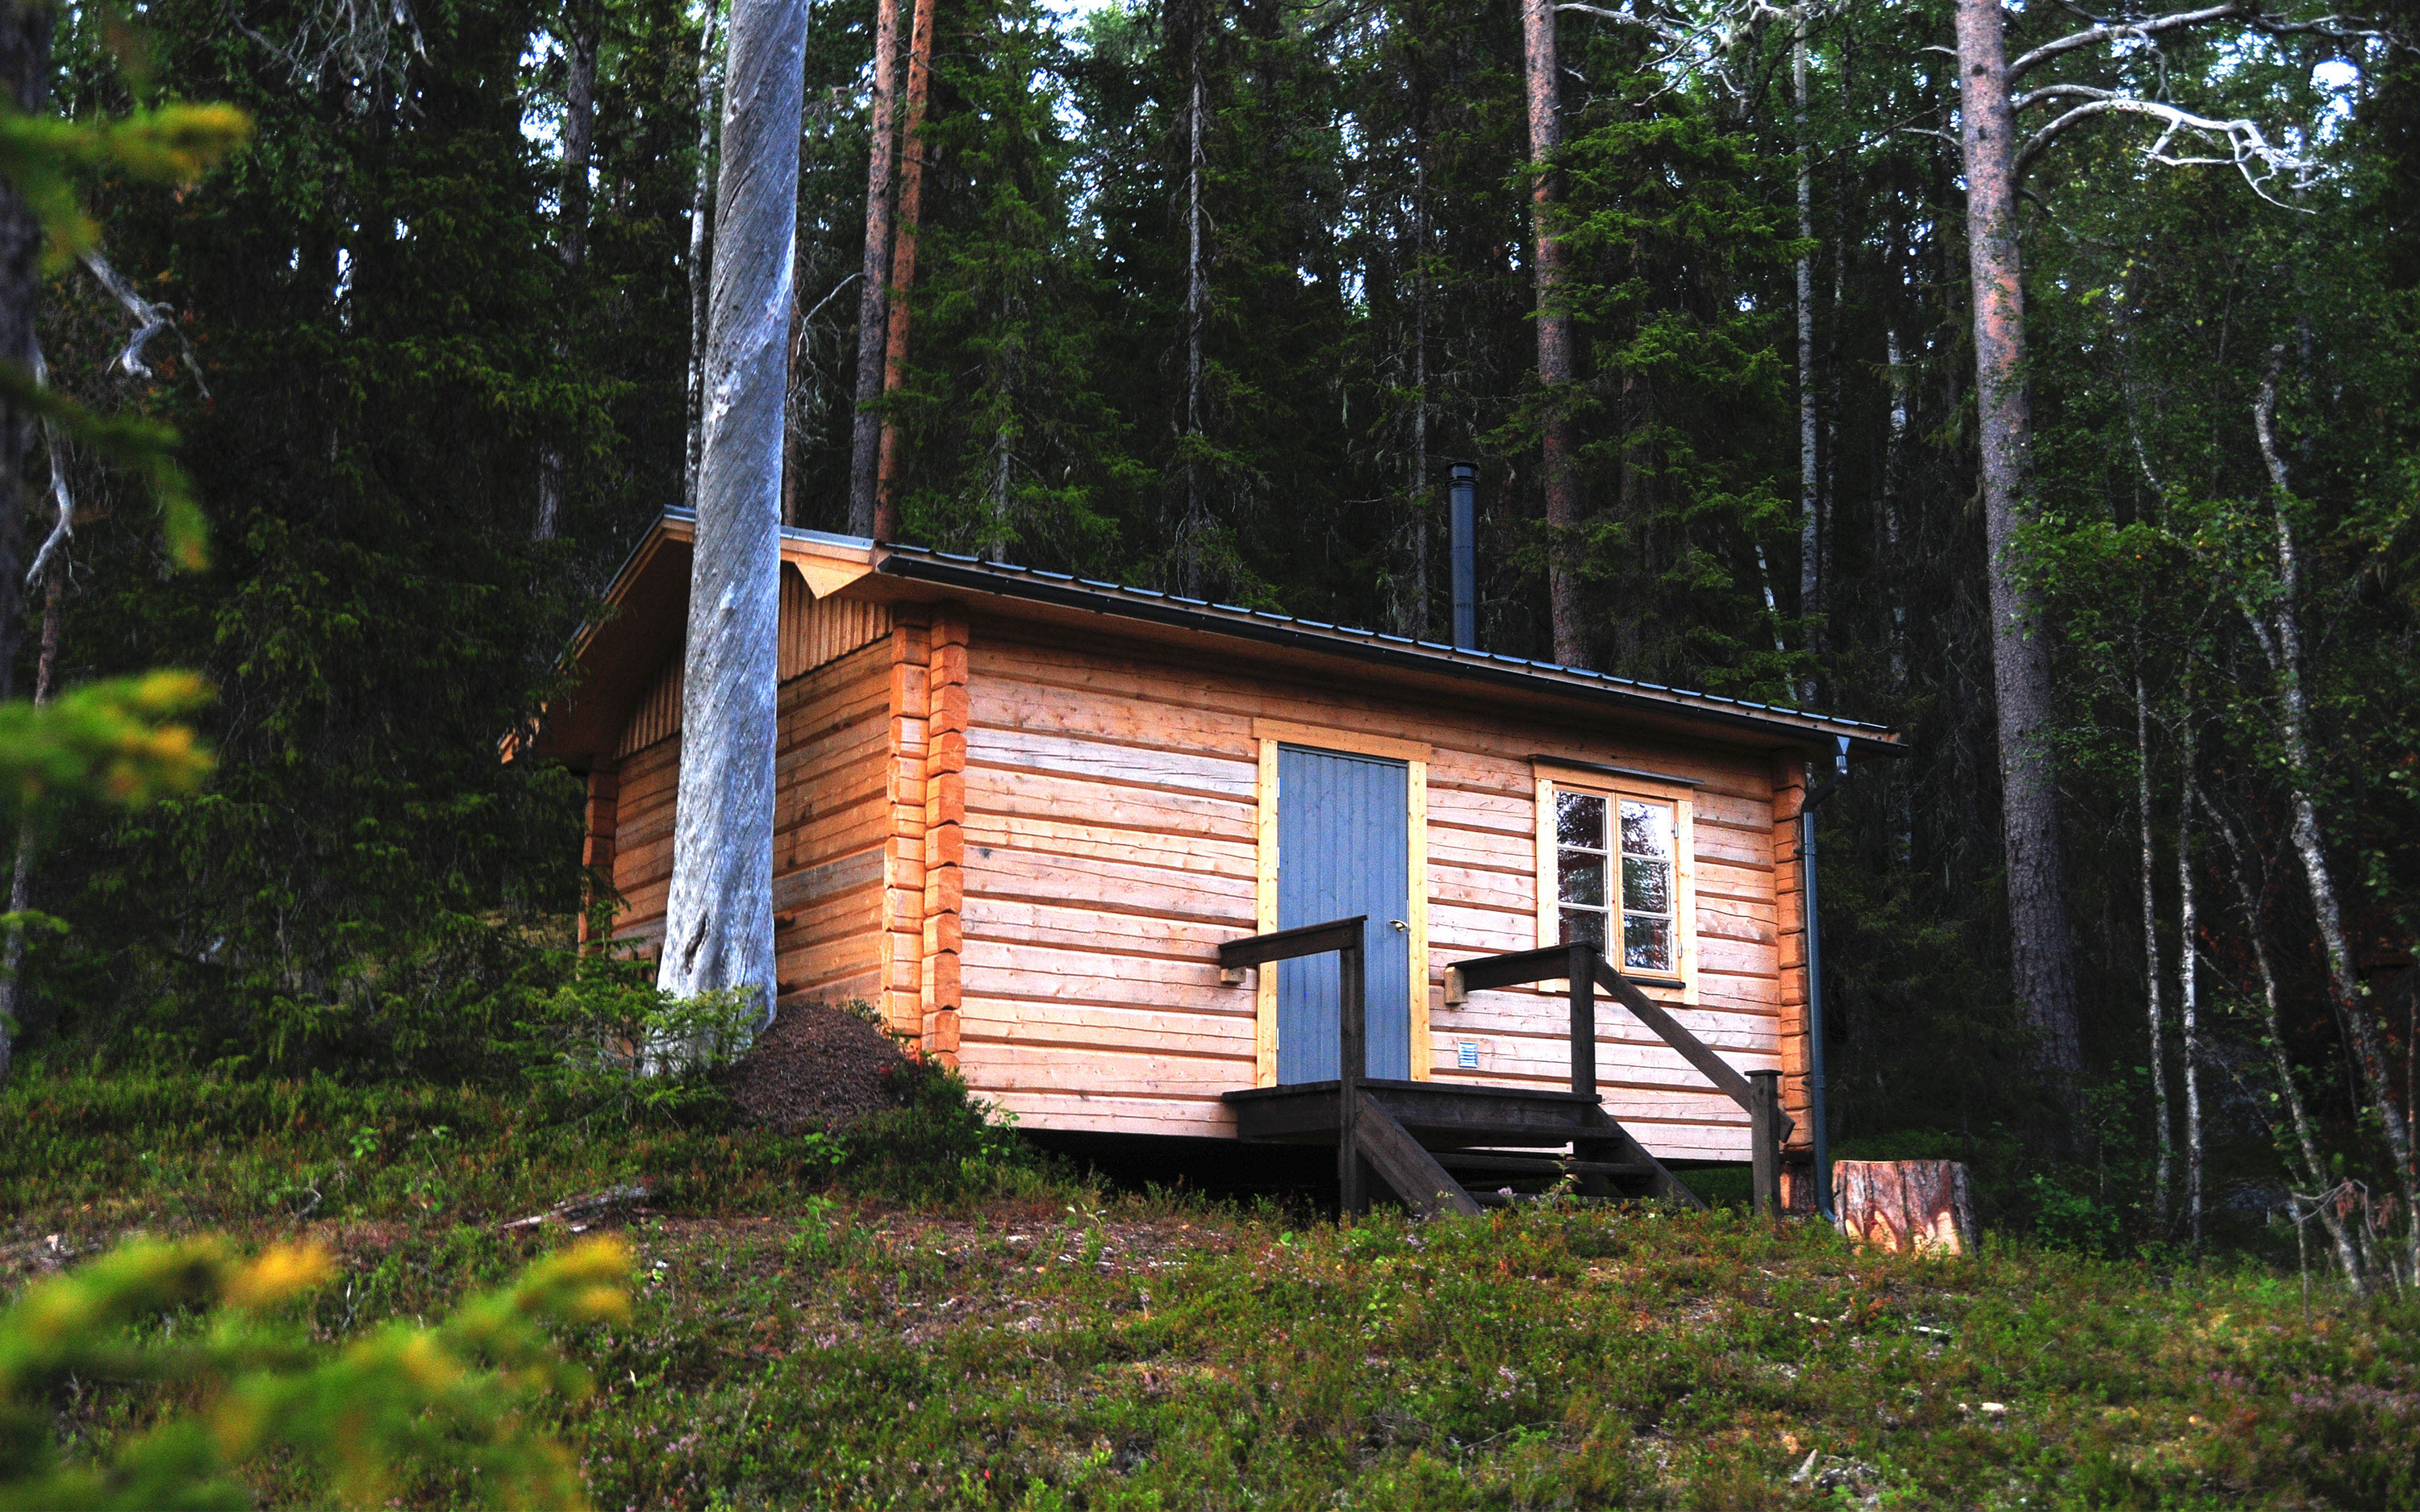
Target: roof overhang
x=647, y=606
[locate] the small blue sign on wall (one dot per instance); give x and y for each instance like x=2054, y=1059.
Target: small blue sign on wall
x=1466, y=1055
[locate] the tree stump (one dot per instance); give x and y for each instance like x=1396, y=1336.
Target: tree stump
x=1905, y=1206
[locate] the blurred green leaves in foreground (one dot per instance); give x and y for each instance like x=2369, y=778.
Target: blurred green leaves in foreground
x=401, y=1406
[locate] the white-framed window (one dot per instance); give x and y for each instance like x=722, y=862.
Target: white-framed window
x=1615, y=869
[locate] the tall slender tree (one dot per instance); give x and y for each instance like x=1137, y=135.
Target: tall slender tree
x=581, y=25
x=1550, y=266
x=718, y=916
x=874, y=294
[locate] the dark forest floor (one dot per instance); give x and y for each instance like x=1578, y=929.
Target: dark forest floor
x=1013, y=1337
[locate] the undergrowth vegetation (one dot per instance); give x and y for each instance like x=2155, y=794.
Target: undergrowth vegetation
x=921, y=1314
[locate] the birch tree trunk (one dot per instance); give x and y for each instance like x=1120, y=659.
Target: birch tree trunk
x=902, y=268
x=719, y=920
x=2283, y=647
x=2152, y=976
x=874, y=293
x=701, y=244
x=20, y=882
x=2042, y=947
x=2313, y=1169
x=1550, y=272
x=581, y=20
x=2188, y=979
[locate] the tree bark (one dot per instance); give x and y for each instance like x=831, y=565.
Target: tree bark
x=2313, y=1170
x=1905, y=1206
x=2043, y=949
x=2154, y=978
x=2283, y=647
x=25, y=28
x=719, y=920
x=581, y=20
x=701, y=247
x=902, y=268
x=1810, y=579
x=1197, y=315
x=874, y=294
x=1550, y=271
x=2188, y=979
x=20, y=882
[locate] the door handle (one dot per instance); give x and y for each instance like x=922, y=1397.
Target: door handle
x=1400, y=924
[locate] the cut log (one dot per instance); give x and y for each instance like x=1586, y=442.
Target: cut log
x=1905, y=1206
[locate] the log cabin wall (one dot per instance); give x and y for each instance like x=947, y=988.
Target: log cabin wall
x=1112, y=838
x=832, y=820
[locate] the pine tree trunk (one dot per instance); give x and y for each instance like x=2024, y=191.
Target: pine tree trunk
x=874, y=293
x=20, y=882
x=25, y=78
x=1810, y=581
x=902, y=268
x=1905, y=1206
x=2152, y=976
x=2042, y=947
x=701, y=247
x=719, y=920
x=2282, y=646
x=1550, y=271
x=1416, y=622
x=580, y=39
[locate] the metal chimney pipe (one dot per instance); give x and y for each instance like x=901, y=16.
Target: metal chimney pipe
x=1464, y=546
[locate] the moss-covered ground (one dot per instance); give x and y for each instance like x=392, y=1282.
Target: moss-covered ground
x=925, y=1318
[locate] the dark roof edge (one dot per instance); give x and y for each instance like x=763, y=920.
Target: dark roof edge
x=1390, y=651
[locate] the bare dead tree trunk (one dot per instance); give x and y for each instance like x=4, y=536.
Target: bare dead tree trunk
x=1416, y=623
x=2041, y=947
x=582, y=19
x=1550, y=272
x=20, y=882
x=2189, y=976
x=873, y=294
x=902, y=268
x=1197, y=315
x=2282, y=644
x=2152, y=975
x=701, y=244
x=1811, y=581
x=1894, y=473
x=718, y=918
x=2313, y=1169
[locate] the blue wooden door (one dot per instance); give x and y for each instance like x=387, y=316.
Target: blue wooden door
x=1344, y=848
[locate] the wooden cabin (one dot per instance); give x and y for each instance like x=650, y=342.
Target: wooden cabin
x=1021, y=812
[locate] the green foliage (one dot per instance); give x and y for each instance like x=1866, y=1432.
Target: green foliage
x=111, y=739
x=611, y=1041
x=42, y=156
x=380, y=1417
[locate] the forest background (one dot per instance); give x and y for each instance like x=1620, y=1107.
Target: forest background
x=1207, y=297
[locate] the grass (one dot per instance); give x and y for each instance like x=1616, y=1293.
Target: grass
x=943, y=1323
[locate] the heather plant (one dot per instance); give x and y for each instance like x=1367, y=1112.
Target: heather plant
x=246, y=1382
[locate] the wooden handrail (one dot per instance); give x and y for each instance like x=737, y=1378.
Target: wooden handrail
x=1345, y=937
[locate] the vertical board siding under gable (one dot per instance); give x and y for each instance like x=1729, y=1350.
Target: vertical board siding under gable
x=1111, y=843
x=813, y=633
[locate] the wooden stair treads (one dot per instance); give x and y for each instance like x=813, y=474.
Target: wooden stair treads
x=1539, y=1165
x=1424, y=1185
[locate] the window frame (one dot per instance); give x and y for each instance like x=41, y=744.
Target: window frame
x=1552, y=780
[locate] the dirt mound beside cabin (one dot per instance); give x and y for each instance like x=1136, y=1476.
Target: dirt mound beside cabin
x=815, y=1067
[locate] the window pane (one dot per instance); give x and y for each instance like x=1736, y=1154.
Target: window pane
x=1646, y=886
x=1581, y=924
x=1583, y=878
x=1646, y=943
x=1580, y=820
x=1647, y=828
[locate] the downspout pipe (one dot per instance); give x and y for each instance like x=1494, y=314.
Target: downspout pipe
x=1816, y=1083
x=1463, y=554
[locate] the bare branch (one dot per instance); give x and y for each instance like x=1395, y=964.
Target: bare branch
x=64, y=526
x=151, y=319
x=2245, y=149
x=2135, y=29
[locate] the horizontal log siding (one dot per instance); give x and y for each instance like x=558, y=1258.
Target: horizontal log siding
x=1109, y=845
x=832, y=824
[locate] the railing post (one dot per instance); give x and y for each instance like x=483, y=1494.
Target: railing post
x=1351, y=1062
x=1583, y=984
x=1764, y=1130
